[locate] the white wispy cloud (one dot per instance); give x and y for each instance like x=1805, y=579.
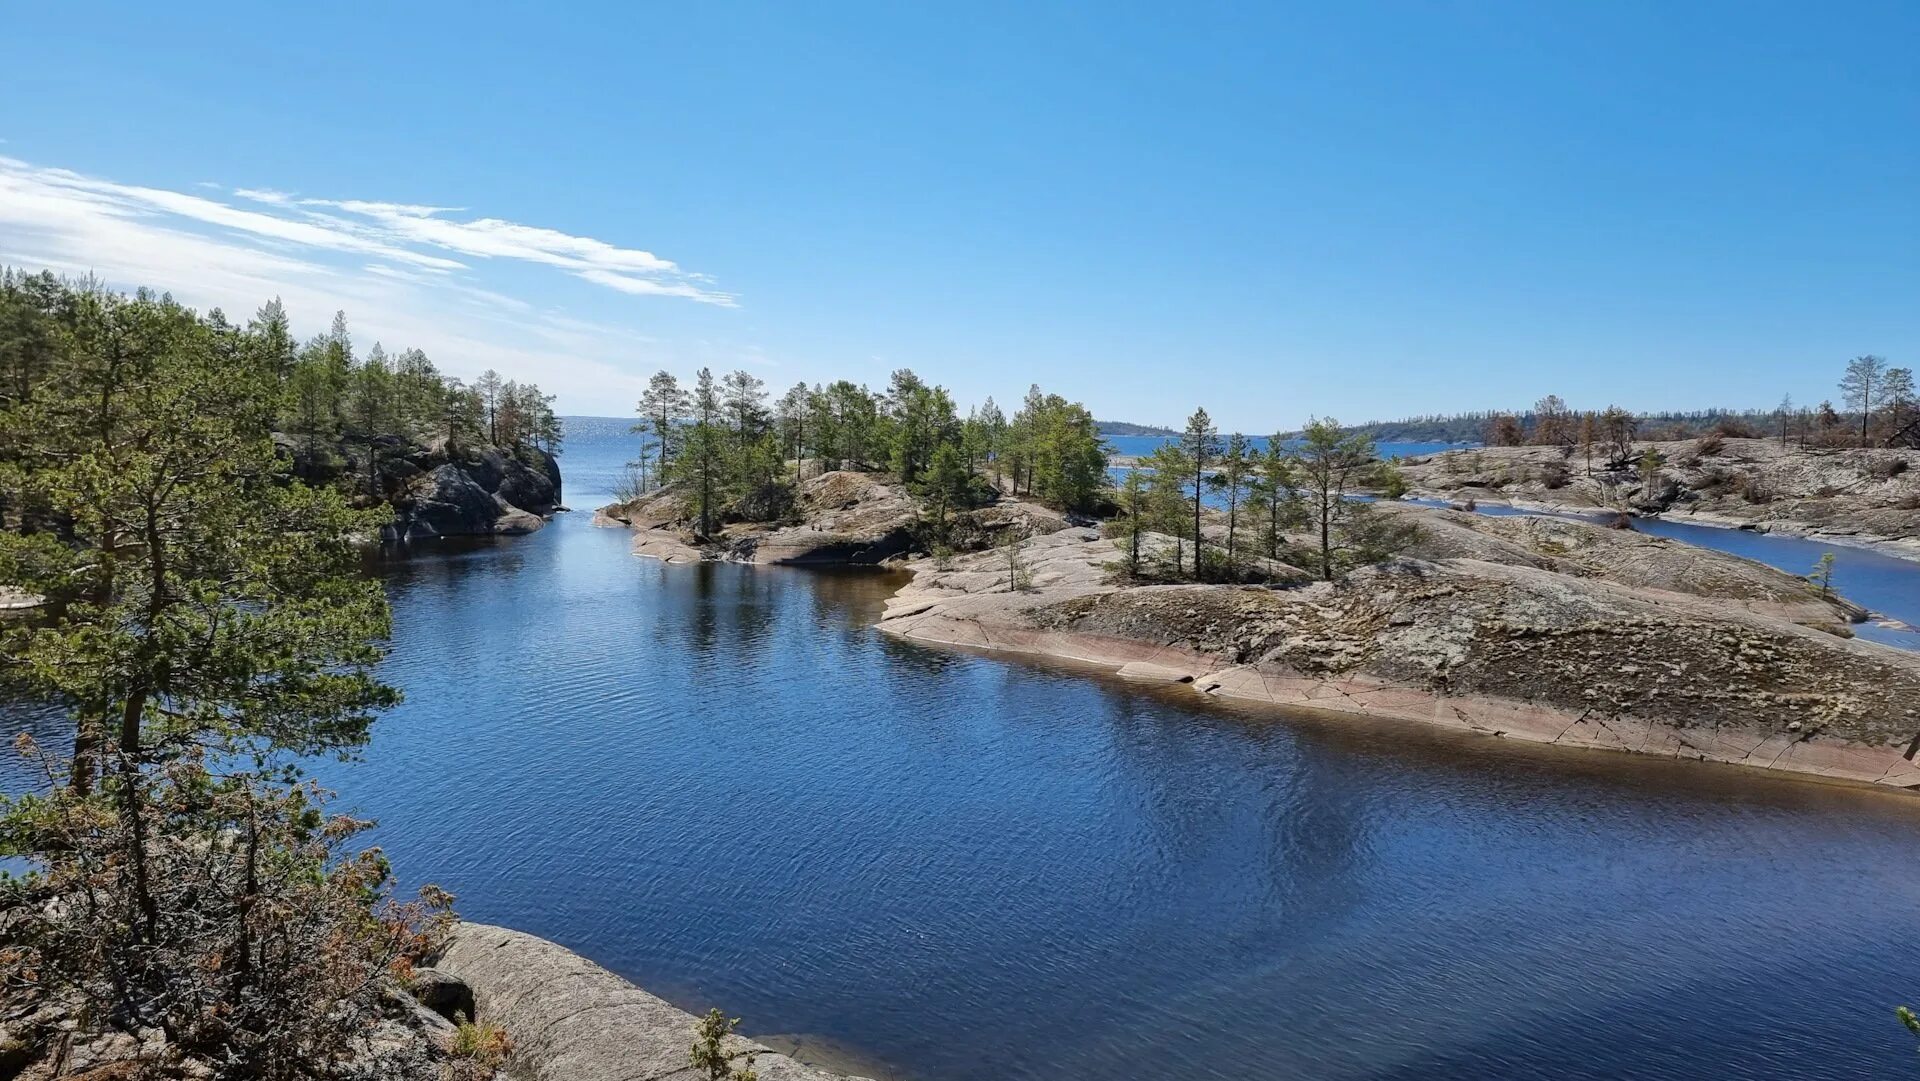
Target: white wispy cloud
x=407, y=275
x=414, y=235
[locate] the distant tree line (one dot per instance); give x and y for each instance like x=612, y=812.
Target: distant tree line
x=1877, y=408
x=330, y=402
x=738, y=452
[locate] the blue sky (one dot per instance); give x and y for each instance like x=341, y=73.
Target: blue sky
x=1363, y=210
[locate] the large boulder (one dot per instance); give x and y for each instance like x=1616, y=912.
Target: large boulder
x=532, y=485
x=571, y=1020
x=845, y=517
x=443, y=502
x=1625, y=556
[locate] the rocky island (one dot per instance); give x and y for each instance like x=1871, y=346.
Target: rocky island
x=1865, y=497
x=1539, y=628
x=1534, y=629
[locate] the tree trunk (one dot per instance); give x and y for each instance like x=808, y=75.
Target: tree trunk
x=1199, y=476
x=1232, y=521
x=1326, y=539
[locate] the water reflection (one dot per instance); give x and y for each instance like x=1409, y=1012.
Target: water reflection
x=721, y=782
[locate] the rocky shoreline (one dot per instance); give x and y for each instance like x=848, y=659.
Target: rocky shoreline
x=572, y=1020
x=1532, y=627
x=1512, y=643
x=1860, y=498
x=440, y=490
x=838, y=518
x=564, y=1018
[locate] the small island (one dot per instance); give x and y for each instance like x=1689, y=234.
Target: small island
x=1279, y=576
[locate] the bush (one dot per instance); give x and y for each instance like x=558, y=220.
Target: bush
x=1391, y=483
x=1710, y=443
x=1555, y=474
x=1753, y=487
x=1884, y=468
x=479, y=1050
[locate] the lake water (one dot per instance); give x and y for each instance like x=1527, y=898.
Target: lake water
x=721, y=782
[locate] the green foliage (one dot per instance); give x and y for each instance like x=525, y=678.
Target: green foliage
x=1388, y=481
x=709, y=1051
x=328, y=402
x=479, y=1049
x=730, y=450
x=1328, y=466
x=1166, y=509
x=208, y=627
x=1822, y=574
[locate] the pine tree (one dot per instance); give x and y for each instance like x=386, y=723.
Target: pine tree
x=1201, y=441
x=1236, y=462
x=208, y=624
x=662, y=408
x=491, y=389
x=1170, y=465
x=1859, y=387
x=1329, y=465
x=1274, y=488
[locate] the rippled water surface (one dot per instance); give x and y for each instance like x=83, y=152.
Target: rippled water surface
x=721, y=782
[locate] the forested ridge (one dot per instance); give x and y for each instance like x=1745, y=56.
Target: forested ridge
x=374, y=424
x=738, y=451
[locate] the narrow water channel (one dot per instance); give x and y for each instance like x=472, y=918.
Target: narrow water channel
x=719, y=781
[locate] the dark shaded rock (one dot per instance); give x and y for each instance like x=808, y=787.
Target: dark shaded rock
x=443, y=993
x=445, y=502
x=487, y=466
x=532, y=486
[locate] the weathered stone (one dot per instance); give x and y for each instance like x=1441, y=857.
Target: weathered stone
x=442, y=992
x=571, y=1020
x=1712, y=667
x=1862, y=497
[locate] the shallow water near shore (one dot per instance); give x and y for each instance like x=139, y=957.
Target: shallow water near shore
x=721, y=782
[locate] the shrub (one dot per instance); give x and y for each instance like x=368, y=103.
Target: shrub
x=1884, y=468
x=709, y=1053
x=1391, y=483
x=1753, y=487
x=479, y=1050
x=1555, y=474
x=1710, y=443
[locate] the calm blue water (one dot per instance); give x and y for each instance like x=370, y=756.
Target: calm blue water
x=721, y=782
